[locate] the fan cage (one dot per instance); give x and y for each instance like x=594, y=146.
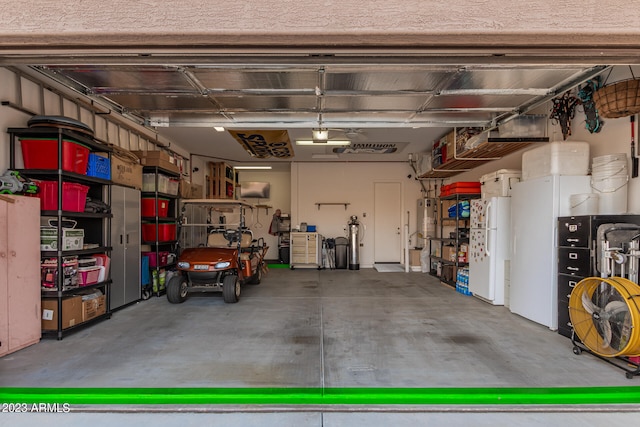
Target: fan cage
x=620, y=99
x=626, y=341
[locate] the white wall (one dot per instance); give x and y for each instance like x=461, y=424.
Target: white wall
x=279, y=198
x=351, y=183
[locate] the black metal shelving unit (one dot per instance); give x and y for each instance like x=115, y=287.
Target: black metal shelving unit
x=457, y=223
x=96, y=225
x=158, y=245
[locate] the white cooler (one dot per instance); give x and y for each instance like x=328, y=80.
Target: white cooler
x=499, y=183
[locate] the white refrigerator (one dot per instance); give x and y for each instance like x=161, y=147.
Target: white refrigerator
x=535, y=207
x=489, y=248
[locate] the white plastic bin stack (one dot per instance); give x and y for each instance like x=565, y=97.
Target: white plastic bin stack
x=563, y=158
x=556, y=158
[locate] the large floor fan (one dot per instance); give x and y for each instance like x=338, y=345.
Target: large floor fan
x=605, y=315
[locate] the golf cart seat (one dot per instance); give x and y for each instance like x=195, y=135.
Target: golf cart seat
x=217, y=240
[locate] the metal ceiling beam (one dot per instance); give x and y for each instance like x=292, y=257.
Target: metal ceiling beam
x=542, y=57
x=306, y=124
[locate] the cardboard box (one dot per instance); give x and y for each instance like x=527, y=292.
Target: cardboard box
x=71, y=312
x=72, y=238
x=93, y=307
x=449, y=272
x=158, y=158
x=449, y=141
x=185, y=189
x=197, y=191
x=449, y=253
x=414, y=257
x=125, y=171
x=190, y=191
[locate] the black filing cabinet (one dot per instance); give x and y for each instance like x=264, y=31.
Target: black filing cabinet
x=577, y=256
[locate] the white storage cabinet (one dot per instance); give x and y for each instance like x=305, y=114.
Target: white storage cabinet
x=306, y=250
x=19, y=273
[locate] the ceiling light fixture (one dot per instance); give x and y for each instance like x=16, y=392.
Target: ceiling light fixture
x=321, y=143
x=320, y=134
x=219, y=128
x=252, y=167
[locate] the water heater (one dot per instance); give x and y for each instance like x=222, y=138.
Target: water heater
x=426, y=214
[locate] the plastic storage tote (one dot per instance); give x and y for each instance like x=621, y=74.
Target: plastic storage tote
x=98, y=166
x=88, y=275
x=151, y=207
x=166, y=232
x=556, y=158
x=155, y=262
x=42, y=153
x=74, y=196
x=462, y=187
x=525, y=126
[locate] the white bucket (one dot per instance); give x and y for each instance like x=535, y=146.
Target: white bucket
x=584, y=204
x=603, y=160
x=609, y=180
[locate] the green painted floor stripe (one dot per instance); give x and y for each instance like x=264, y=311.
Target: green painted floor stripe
x=278, y=265
x=331, y=396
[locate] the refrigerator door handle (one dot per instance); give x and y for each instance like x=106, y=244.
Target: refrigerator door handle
x=487, y=225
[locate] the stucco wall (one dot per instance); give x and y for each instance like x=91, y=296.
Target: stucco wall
x=409, y=23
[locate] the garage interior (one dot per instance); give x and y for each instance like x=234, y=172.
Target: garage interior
x=392, y=95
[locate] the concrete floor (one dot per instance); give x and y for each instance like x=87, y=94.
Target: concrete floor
x=310, y=328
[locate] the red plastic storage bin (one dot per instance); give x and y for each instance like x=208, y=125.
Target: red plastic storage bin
x=149, y=207
x=153, y=262
x=42, y=153
x=166, y=232
x=74, y=196
x=469, y=187
x=88, y=275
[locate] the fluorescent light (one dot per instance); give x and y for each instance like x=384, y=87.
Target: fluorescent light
x=321, y=143
x=324, y=156
x=219, y=128
x=252, y=167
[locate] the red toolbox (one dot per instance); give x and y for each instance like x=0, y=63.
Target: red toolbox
x=151, y=207
x=42, y=153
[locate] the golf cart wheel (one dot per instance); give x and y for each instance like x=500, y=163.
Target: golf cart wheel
x=177, y=289
x=231, y=288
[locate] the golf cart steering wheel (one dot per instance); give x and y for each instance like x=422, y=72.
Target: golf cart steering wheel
x=231, y=236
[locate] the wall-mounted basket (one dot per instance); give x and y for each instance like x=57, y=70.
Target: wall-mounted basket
x=620, y=99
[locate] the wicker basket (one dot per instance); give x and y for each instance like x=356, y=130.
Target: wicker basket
x=621, y=99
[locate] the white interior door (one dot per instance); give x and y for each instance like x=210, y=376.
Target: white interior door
x=387, y=222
